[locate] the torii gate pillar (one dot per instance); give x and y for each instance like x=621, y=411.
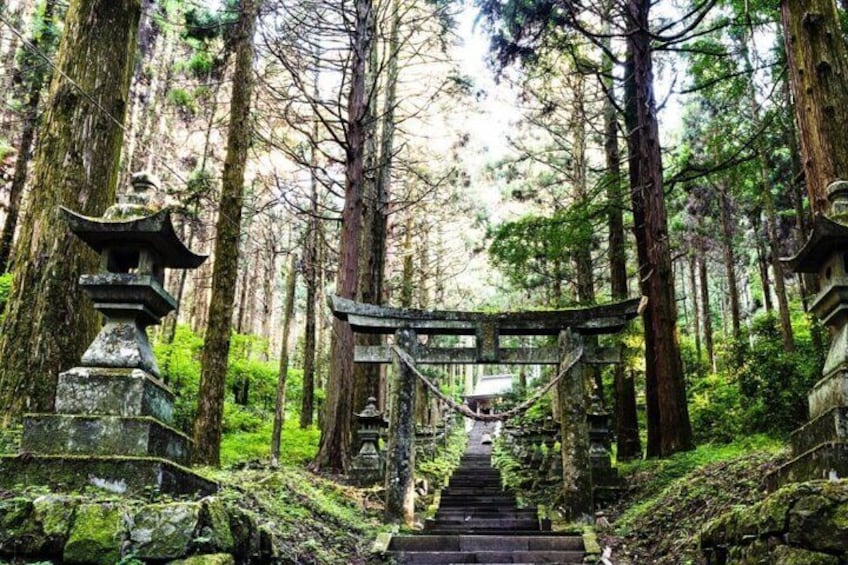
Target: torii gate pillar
x=574, y=431
x=400, y=459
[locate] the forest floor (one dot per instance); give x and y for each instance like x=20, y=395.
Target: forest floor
x=669, y=501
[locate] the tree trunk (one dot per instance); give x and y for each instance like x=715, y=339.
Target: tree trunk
x=36, y=71
x=210, y=401
x=729, y=260
x=669, y=429
x=817, y=59
x=334, y=448
x=629, y=445
x=696, y=317
x=280, y=406
x=762, y=259
x=705, y=305
x=786, y=335
x=49, y=322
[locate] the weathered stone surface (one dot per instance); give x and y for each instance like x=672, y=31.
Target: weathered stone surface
x=163, y=531
x=97, y=535
x=828, y=393
x=786, y=555
x=832, y=425
x=19, y=531
x=801, y=523
x=55, y=515
x=214, y=532
x=825, y=461
x=247, y=534
x=103, y=435
x=114, y=392
x=121, y=343
x=211, y=559
x=122, y=475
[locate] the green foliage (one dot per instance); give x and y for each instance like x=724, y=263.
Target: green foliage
x=297, y=446
x=182, y=99
x=200, y=64
x=774, y=383
x=438, y=470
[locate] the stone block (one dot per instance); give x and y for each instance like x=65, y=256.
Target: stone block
x=825, y=461
x=798, y=556
x=121, y=475
x=114, y=392
x=58, y=434
x=163, y=531
x=832, y=425
x=97, y=535
x=211, y=559
x=828, y=393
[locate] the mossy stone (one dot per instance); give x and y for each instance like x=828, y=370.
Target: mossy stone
x=55, y=513
x=20, y=533
x=164, y=531
x=245, y=530
x=214, y=534
x=211, y=559
x=786, y=555
x=96, y=536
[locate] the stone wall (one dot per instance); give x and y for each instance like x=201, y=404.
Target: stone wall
x=75, y=529
x=800, y=524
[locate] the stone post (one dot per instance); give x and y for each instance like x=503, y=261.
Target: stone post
x=366, y=467
x=400, y=453
x=574, y=429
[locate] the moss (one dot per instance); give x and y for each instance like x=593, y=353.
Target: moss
x=786, y=555
x=215, y=531
x=164, y=531
x=212, y=559
x=96, y=535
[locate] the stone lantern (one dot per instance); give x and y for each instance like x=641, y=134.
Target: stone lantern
x=112, y=426
x=368, y=465
x=604, y=475
x=820, y=447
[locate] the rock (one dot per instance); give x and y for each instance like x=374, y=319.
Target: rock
x=786, y=555
x=96, y=535
x=20, y=534
x=55, y=514
x=211, y=559
x=214, y=533
x=164, y=531
x=245, y=531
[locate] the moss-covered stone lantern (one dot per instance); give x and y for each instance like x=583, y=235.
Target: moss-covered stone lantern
x=820, y=448
x=368, y=464
x=112, y=426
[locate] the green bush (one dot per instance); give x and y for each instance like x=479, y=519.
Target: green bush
x=715, y=408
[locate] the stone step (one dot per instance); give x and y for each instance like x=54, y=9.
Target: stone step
x=533, y=557
x=471, y=500
x=411, y=543
x=475, y=523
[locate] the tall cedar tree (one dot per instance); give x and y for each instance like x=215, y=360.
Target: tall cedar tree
x=818, y=72
x=216, y=349
x=34, y=72
x=334, y=448
x=669, y=429
x=49, y=322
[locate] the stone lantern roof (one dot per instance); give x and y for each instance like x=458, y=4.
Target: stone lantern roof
x=828, y=237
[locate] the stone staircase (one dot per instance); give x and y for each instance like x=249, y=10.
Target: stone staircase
x=478, y=522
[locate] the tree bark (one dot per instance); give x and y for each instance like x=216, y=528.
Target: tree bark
x=210, y=401
x=696, y=316
x=334, y=448
x=669, y=429
x=817, y=58
x=705, y=305
x=36, y=72
x=729, y=259
x=49, y=322
x=280, y=406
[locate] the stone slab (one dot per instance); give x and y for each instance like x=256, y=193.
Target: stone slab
x=114, y=392
x=121, y=475
x=825, y=461
x=830, y=426
x=61, y=434
x=828, y=393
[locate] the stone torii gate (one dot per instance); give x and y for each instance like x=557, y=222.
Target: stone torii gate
x=570, y=325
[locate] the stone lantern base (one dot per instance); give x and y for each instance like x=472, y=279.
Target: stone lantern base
x=111, y=430
x=819, y=447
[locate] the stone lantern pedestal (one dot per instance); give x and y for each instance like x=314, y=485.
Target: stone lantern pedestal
x=112, y=426
x=820, y=447
x=368, y=465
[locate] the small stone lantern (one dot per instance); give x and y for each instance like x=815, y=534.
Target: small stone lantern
x=368, y=465
x=113, y=422
x=820, y=448
x=603, y=473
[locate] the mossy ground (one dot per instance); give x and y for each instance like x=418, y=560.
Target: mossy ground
x=669, y=501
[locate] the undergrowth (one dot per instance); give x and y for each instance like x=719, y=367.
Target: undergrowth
x=668, y=501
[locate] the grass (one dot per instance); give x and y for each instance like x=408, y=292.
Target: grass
x=297, y=446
